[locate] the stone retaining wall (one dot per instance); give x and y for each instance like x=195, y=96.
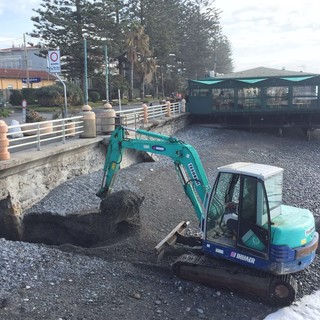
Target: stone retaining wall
x=31, y=175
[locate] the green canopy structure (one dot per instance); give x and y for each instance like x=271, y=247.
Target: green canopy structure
x=256, y=98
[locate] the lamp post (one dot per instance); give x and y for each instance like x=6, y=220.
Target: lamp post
x=107, y=72
x=85, y=72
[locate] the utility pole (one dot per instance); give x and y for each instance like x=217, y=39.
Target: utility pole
x=26, y=58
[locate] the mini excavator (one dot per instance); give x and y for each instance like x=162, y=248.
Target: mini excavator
x=250, y=241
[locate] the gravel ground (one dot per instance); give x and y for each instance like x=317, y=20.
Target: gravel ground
x=120, y=279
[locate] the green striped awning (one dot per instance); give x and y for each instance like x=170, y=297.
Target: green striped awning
x=251, y=80
x=296, y=79
x=207, y=82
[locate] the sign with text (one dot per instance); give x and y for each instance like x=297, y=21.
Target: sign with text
x=31, y=80
x=54, y=61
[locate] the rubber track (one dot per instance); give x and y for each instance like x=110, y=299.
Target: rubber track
x=222, y=274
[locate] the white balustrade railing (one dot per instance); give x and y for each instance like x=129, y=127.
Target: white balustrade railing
x=135, y=117
x=38, y=133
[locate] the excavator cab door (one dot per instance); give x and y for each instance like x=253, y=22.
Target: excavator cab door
x=240, y=202
x=253, y=217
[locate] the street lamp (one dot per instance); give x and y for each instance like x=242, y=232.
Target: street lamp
x=107, y=72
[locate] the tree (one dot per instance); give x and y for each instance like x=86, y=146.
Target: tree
x=138, y=53
x=181, y=38
x=64, y=24
x=222, y=56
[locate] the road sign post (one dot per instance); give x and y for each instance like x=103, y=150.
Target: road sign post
x=55, y=67
x=54, y=61
x=24, y=110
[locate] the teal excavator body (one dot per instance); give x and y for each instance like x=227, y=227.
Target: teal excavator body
x=241, y=217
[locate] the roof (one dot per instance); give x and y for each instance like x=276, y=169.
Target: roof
x=263, y=72
x=261, y=171
x=260, y=77
x=19, y=74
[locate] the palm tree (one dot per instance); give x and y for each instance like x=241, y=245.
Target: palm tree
x=137, y=53
x=147, y=66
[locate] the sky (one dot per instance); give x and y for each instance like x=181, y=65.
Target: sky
x=274, y=34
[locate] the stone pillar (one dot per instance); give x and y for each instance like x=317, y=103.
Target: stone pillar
x=183, y=105
x=168, y=104
x=107, y=116
x=145, y=113
x=89, y=122
x=4, y=141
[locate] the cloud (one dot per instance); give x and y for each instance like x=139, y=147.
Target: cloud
x=272, y=34
x=16, y=20
x=18, y=6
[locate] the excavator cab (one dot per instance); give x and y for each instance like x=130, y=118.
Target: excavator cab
x=246, y=214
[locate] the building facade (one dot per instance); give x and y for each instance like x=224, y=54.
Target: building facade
x=18, y=79
x=22, y=58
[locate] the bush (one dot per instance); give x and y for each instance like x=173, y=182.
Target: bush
x=30, y=95
x=4, y=113
x=50, y=96
x=74, y=95
x=53, y=96
x=16, y=97
x=94, y=96
x=34, y=116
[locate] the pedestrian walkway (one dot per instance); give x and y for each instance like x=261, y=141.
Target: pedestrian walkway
x=18, y=116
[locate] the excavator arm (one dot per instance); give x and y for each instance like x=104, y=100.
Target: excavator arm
x=185, y=158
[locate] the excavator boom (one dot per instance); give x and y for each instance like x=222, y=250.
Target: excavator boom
x=185, y=158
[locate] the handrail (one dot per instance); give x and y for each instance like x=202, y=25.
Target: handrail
x=136, y=116
x=37, y=133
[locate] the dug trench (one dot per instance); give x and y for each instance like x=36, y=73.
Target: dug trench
x=118, y=217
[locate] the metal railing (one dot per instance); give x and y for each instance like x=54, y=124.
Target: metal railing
x=135, y=117
x=26, y=135
x=40, y=133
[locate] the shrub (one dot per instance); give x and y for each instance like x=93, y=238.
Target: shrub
x=16, y=97
x=50, y=96
x=74, y=95
x=34, y=116
x=4, y=113
x=94, y=96
x=53, y=96
x=30, y=95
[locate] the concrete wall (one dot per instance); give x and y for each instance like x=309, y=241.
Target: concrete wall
x=31, y=175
